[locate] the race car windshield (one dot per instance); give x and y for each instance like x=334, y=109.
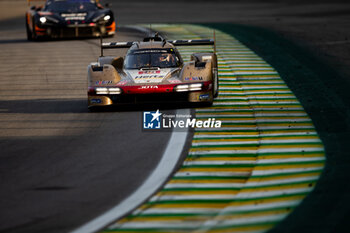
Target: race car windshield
x=70, y=6
x=138, y=59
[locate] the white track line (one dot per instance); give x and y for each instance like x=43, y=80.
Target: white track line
x=155, y=180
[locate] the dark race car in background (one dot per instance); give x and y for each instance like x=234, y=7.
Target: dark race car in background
x=69, y=19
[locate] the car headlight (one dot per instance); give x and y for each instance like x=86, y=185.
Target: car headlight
x=102, y=18
x=107, y=17
x=42, y=19
x=108, y=91
x=189, y=87
x=114, y=91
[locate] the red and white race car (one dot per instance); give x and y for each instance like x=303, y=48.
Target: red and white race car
x=153, y=71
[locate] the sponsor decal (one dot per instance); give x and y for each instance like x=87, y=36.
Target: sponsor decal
x=103, y=82
x=148, y=87
x=96, y=101
x=193, y=78
x=159, y=121
x=148, y=76
x=204, y=97
x=149, y=72
x=174, y=81
x=122, y=83
x=74, y=16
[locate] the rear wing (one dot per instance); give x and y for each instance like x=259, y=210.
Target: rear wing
x=29, y=1
x=116, y=45
x=120, y=45
x=191, y=42
x=156, y=37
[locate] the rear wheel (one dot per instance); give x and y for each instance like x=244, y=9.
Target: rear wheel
x=216, y=84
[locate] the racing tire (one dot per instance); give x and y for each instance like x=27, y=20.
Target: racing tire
x=34, y=37
x=93, y=109
x=205, y=104
x=96, y=109
x=29, y=33
x=216, y=92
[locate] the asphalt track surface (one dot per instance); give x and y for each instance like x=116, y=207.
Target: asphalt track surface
x=60, y=165
x=56, y=157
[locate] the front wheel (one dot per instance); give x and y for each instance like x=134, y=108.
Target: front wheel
x=33, y=33
x=29, y=33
